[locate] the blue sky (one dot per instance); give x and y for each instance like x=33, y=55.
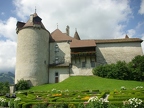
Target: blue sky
x=94, y=19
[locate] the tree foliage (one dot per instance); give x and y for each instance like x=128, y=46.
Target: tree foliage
x=133, y=70
x=4, y=88
x=136, y=67
x=22, y=85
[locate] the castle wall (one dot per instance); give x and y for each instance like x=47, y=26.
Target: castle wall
x=60, y=52
x=63, y=73
x=113, y=52
x=78, y=69
x=32, y=55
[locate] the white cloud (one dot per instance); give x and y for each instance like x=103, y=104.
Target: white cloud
x=141, y=10
x=7, y=55
x=7, y=45
x=92, y=18
x=7, y=29
x=131, y=33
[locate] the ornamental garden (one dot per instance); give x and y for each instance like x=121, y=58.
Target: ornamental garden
x=76, y=99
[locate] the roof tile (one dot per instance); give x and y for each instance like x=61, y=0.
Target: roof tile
x=82, y=43
x=58, y=36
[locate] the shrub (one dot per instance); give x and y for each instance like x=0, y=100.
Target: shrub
x=22, y=85
x=39, y=105
x=27, y=105
x=133, y=70
x=58, y=105
x=102, y=70
x=136, y=67
x=122, y=70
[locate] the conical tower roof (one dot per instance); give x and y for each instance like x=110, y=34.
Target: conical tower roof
x=34, y=19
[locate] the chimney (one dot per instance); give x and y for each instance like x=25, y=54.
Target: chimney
x=67, y=30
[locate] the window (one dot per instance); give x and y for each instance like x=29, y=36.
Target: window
x=83, y=64
x=56, y=60
x=56, y=48
x=92, y=64
x=56, y=77
x=45, y=62
x=56, y=74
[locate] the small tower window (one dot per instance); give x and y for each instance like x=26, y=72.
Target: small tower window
x=45, y=62
x=56, y=60
x=56, y=48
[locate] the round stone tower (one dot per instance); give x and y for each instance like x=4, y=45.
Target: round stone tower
x=32, y=51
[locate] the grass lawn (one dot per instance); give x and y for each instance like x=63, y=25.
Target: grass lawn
x=89, y=83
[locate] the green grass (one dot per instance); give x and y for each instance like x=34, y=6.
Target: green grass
x=89, y=83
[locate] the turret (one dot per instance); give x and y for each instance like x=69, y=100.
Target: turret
x=32, y=51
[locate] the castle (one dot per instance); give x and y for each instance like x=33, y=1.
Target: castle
x=44, y=57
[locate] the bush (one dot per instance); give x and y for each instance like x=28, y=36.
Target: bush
x=136, y=67
x=133, y=70
x=22, y=85
x=27, y=105
x=122, y=70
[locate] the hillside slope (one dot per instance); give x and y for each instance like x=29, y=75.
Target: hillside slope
x=7, y=77
x=89, y=83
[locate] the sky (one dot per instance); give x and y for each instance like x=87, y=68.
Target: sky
x=93, y=19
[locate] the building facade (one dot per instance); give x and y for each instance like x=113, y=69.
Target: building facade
x=44, y=57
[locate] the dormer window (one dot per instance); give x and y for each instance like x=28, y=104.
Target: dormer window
x=37, y=19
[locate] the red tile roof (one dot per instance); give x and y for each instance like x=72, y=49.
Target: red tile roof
x=118, y=40
x=82, y=43
x=58, y=36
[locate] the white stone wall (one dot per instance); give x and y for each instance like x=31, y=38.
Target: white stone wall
x=60, y=50
x=63, y=73
x=32, y=56
x=77, y=68
x=113, y=52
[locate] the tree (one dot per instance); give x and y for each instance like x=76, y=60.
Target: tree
x=4, y=87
